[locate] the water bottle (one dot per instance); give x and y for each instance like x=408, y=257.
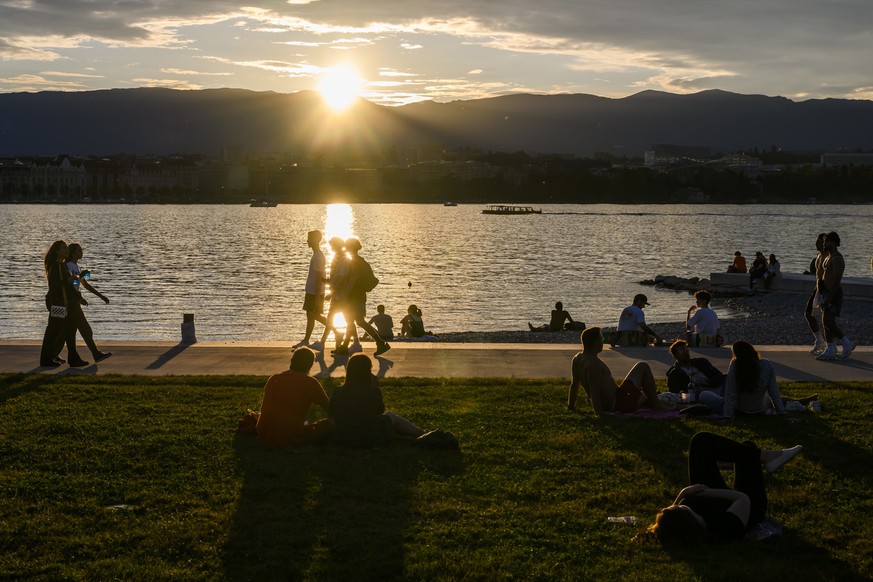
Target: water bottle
x=86, y=274
x=625, y=519
x=76, y=283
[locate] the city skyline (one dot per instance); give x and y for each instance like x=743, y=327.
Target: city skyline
x=392, y=53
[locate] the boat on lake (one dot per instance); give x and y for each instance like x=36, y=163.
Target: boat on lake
x=506, y=210
x=450, y=203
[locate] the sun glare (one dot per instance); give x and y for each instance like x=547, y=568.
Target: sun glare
x=340, y=86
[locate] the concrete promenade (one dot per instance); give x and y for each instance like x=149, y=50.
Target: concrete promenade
x=792, y=363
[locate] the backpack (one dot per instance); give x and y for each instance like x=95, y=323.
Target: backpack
x=367, y=281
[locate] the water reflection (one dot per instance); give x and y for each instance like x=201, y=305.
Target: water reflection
x=338, y=222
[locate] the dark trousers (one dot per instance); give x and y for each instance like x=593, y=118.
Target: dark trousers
x=705, y=452
x=56, y=333
x=80, y=324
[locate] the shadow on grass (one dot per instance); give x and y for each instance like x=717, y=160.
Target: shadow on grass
x=15, y=385
x=326, y=512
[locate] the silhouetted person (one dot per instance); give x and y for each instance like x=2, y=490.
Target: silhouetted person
x=830, y=287
x=759, y=267
x=739, y=264
x=313, y=301
x=632, y=322
x=689, y=374
x=60, y=294
x=384, y=323
x=355, y=309
x=556, y=323
x=773, y=269
x=76, y=315
x=816, y=267
x=339, y=275
x=412, y=325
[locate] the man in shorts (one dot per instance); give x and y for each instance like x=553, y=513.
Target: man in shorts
x=816, y=267
x=313, y=302
x=637, y=391
x=829, y=286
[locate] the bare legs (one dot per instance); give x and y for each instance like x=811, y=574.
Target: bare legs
x=641, y=376
x=403, y=427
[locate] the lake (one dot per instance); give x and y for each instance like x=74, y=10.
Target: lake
x=241, y=270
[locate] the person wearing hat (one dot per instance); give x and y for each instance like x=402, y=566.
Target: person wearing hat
x=632, y=329
x=759, y=267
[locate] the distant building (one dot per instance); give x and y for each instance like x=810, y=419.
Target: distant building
x=671, y=154
x=839, y=159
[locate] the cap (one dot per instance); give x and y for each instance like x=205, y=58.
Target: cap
x=640, y=297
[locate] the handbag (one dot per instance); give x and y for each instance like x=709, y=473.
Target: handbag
x=59, y=311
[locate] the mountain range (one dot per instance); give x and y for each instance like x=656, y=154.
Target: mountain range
x=165, y=121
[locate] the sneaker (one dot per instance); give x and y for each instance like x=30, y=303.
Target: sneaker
x=100, y=356
x=381, y=349
x=355, y=348
x=830, y=353
x=818, y=348
x=78, y=363
x=785, y=456
x=848, y=349
x=315, y=346
x=50, y=364
x=340, y=351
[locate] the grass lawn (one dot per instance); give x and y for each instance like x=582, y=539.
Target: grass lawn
x=144, y=478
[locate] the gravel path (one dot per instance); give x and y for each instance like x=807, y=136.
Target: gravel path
x=773, y=319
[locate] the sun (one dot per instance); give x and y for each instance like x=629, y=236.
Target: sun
x=340, y=86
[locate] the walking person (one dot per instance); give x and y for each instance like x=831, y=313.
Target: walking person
x=816, y=267
x=831, y=290
x=76, y=315
x=361, y=281
x=57, y=300
x=338, y=279
x=313, y=301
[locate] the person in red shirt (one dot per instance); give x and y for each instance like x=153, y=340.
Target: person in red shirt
x=288, y=396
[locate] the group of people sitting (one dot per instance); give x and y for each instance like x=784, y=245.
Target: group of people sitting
x=355, y=411
x=749, y=387
x=411, y=326
x=761, y=269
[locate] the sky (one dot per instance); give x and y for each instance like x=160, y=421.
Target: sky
x=394, y=53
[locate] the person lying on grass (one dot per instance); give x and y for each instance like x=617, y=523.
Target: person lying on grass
x=637, y=391
x=358, y=410
x=708, y=508
x=288, y=396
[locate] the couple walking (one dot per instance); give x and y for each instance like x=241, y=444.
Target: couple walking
x=351, y=278
x=64, y=302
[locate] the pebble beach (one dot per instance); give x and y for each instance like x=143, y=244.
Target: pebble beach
x=771, y=319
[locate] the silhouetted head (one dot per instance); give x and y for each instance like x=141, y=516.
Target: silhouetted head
x=302, y=360
x=336, y=243
x=75, y=251
x=703, y=298
x=640, y=300
x=559, y=306
x=738, y=254
x=59, y=251
x=412, y=309
x=353, y=245
x=359, y=371
x=313, y=237
x=680, y=352
x=772, y=258
x=819, y=242
x=380, y=308
x=677, y=523
x=592, y=340
x=832, y=238
x=746, y=361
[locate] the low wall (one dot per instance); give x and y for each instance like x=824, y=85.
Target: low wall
x=854, y=287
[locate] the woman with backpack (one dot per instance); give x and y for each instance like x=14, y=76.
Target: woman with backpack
x=360, y=282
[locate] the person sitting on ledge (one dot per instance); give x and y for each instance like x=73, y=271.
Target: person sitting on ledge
x=739, y=264
x=689, y=374
x=704, y=322
x=759, y=267
x=773, y=270
x=288, y=397
x=559, y=316
x=637, y=391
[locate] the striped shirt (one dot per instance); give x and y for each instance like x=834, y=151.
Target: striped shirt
x=753, y=402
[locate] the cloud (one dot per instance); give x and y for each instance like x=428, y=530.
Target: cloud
x=199, y=73
x=168, y=83
x=39, y=83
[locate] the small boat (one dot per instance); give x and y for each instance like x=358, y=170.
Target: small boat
x=263, y=203
x=501, y=209
x=450, y=203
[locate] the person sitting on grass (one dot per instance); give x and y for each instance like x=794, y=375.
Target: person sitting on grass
x=358, y=410
x=637, y=391
x=288, y=396
x=556, y=323
x=689, y=373
x=708, y=508
x=750, y=387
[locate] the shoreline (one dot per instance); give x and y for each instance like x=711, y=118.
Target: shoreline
x=771, y=319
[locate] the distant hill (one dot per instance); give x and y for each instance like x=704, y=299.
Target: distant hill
x=165, y=121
